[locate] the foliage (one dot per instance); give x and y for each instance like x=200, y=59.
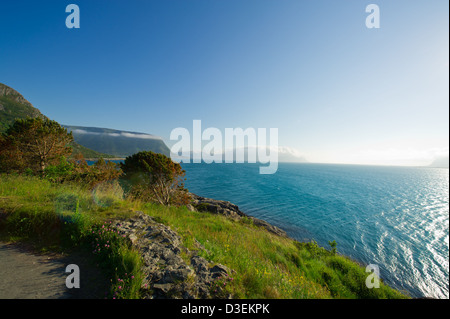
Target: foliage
x=220, y=288
x=34, y=143
x=59, y=173
x=92, y=175
x=111, y=247
x=155, y=177
x=333, y=246
x=86, y=152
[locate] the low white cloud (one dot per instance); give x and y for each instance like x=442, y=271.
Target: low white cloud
x=143, y=136
x=119, y=134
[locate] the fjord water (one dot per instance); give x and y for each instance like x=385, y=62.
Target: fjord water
x=394, y=217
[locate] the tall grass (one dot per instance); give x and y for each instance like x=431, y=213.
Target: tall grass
x=266, y=265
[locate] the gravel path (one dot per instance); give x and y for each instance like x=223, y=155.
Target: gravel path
x=25, y=274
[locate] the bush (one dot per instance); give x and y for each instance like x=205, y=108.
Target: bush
x=93, y=175
x=155, y=177
x=59, y=173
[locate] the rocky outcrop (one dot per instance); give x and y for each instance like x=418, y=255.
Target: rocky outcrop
x=231, y=210
x=13, y=94
x=171, y=270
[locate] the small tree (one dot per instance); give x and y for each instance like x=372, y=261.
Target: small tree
x=11, y=158
x=156, y=177
x=36, y=143
x=92, y=175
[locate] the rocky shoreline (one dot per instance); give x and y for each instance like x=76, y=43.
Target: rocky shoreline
x=171, y=270
x=230, y=210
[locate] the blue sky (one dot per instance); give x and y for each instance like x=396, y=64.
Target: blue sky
x=337, y=91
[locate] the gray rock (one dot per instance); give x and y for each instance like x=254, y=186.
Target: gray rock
x=167, y=273
x=228, y=209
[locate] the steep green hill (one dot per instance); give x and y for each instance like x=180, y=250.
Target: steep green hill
x=14, y=106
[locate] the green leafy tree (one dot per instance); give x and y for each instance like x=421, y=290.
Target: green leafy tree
x=155, y=177
x=34, y=143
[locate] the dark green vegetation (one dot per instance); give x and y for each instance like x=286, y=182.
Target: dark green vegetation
x=87, y=152
x=155, y=177
x=33, y=143
x=117, y=143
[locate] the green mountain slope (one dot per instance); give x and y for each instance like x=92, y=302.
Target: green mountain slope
x=115, y=142
x=14, y=106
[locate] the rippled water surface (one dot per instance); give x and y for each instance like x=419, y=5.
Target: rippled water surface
x=396, y=217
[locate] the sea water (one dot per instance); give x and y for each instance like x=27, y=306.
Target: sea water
x=394, y=217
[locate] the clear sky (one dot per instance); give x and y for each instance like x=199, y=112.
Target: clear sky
x=337, y=91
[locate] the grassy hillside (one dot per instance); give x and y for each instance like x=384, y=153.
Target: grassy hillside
x=61, y=216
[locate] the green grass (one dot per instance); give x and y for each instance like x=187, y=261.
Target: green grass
x=265, y=265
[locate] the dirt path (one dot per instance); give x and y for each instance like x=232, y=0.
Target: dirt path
x=25, y=274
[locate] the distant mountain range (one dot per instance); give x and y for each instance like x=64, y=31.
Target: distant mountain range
x=92, y=142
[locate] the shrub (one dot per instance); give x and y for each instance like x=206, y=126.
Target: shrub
x=155, y=177
x=59, y=173
x=93, y=175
